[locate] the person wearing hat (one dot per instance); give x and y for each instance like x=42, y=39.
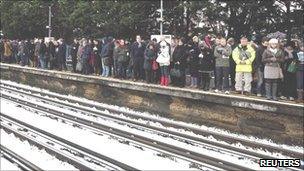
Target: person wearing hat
x=243, y=55
x=272, y=57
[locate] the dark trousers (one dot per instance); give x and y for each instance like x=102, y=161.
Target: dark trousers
x=121, y=69
x=232, y=66
x=222, y=78
x=115, y=68
x=271, y=87
x=204, y=80
x=47, y=61
x=74, y=63
x=148, y=76
x=24, y=60
x=179, y=81
x=164, y=71
x=7, y=59
x=155, y=77
x=53, y=62
x=137, y=69
x=300, y=79
x=232, y=77
x=86, y=66
x=61, y=63
x=290, y=85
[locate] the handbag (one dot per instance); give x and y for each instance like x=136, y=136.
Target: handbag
x=292, y=68
x=154, y=65
x=79, y=66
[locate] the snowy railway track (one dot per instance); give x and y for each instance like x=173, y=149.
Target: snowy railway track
x=14, y=158
x=80, y=157
x=196, y=158
x=67, y=102
x=115, y=114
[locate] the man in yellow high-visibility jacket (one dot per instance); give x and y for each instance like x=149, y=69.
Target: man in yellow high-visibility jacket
x=243, y=55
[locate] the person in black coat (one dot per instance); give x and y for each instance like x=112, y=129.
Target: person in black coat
x=232, y=64
x=193, y=61
x=61, y=55
x=26, y=51
x=74, y=50
x=42, y=55
x=137, y=55
x=52, y=55
x=259, y=66
x=31, y=52
x=289, y=84
x=87, y=50
x=179, y=62
x=97, y=60
x=106, y=54
x=150, y=56
x=206, y=63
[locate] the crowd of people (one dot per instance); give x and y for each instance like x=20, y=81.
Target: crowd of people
x=270, y=68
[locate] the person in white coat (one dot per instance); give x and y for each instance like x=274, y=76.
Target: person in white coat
x=163, y=59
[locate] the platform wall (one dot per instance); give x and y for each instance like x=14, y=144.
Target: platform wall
x=281, y=122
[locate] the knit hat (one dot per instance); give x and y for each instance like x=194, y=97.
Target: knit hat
x=273, y=41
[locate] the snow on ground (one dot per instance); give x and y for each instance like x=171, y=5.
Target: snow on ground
x=157, y=117
x=150, y=134
x=36, y=156
x=128, y=153
x=6, y=165
x=93, y=163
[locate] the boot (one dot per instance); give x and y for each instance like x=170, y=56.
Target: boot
x=162, y=80
x=274, y=91
x=300, y=96
x=166, y=81
x=268, y=90
x=207, y=84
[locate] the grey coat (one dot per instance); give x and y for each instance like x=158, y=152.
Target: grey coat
x=149, y=56
x=272, y=63
x=221, y=55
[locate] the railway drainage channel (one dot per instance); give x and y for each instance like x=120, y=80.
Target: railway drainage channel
x=169, y=144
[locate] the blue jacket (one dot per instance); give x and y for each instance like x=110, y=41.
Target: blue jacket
x=137, y=53
x=87, y=50
x=106, y=50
